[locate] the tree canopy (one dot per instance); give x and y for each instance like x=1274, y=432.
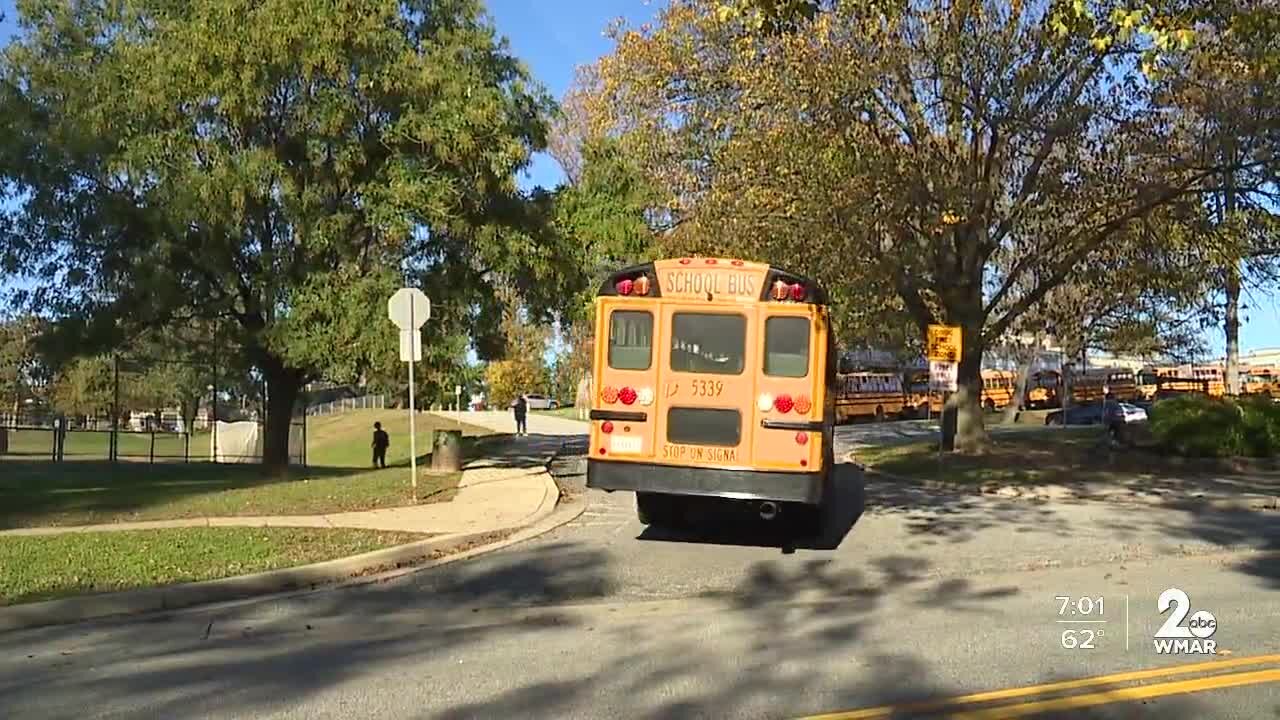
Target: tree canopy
x=930, y=162
x=283, y=165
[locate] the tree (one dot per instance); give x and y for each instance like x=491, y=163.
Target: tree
x=86, y=388
x=523, y=368
x=174, y=366
x=943, y=162
x=1228, y=89
x=282, y=165
x=22, y=370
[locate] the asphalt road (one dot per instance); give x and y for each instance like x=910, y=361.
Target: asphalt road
x=921, y=595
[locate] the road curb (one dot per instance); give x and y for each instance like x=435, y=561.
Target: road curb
x=1063, y=492
x=367, y=568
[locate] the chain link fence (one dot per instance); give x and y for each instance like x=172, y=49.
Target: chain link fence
x=145, y=410
x=364, y=402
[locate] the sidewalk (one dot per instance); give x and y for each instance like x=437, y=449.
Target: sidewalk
x=539, y=424
x=506, y=490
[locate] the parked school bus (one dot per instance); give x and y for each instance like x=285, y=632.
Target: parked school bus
x=715, y=378
x=868, y=394
x=1158, y=382
x=920, y=401
x=1095, y=385
x=1262, y=380
x=1214, y=376
x=1044, y=390
x=997, y=389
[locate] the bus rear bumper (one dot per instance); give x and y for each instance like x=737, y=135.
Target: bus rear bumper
x=793, y=487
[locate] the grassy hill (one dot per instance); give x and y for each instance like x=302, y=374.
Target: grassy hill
x=343, y=439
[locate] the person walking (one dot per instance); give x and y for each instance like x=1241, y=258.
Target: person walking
x=521, y=409
x=381, y=441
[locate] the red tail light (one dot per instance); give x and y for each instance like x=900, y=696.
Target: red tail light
x=606, y=427
x=685, y=261
x=711, y=261
x=780, y=290
x=641, y=285
x=627, y=395
x=797, y=292
x=783, y=403
x=624, y=287
x=802, y=438
x=609, y=395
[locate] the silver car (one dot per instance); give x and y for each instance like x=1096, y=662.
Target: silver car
x=536, y=401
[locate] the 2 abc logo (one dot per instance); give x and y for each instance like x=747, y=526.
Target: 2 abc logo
x=1174, y=637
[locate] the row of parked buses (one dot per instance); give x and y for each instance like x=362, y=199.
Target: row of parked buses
x=880, y=395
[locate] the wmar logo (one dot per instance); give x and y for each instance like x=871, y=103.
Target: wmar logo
x=1174, y=638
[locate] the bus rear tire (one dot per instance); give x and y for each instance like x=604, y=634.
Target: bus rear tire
x=822, y=515
x=655, y=509
x=879, y=414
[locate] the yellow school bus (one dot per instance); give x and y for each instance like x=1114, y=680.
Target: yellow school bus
x=1261, y=380
x=997, y=389
x=920, y=401
x=715, y=378
x=1214, y=376
x=1095, y=385
x=1155, y=383
x=1044, y=390
x=868, y=394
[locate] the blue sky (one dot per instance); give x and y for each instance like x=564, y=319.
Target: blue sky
x=553, y=38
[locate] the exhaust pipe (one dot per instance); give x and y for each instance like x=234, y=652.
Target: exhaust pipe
x=768, y=510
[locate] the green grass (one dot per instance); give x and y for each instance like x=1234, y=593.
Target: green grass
x=52, y=566
x=39, y=493
x=1045, y=457
x=343, y=439
x=36, y=492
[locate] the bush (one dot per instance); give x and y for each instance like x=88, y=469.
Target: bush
x=1200, y=426
x=1260, y=427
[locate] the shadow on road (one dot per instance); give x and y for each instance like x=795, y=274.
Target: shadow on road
x=1255, y=529
x=723, y=522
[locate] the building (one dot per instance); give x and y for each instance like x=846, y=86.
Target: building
x=1261, y=356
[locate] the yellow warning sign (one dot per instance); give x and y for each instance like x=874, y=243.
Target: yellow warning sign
x=943, y=343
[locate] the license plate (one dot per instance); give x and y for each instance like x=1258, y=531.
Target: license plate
x=624, y=444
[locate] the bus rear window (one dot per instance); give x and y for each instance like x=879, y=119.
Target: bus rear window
x=786, y=346
x=707, y=343
x=704, y=426
x=630, y=340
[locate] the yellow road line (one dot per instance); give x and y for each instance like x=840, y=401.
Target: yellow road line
x=1029, y=690
x=1126, y=694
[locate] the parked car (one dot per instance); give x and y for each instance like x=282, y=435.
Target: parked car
x=538, y=401
x=1124, y=413
x=1091, y=414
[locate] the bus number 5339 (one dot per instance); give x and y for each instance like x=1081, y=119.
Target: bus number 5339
x=707, y=388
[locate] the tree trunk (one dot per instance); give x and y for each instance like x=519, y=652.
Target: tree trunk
x=1233, y=329
x=1019, y=388
x=283, y=386
x=969, y=431
x=188, y=407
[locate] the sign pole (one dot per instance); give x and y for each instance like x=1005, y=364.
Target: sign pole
x=413, y=433
x=402, y=309
x=941, y=430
